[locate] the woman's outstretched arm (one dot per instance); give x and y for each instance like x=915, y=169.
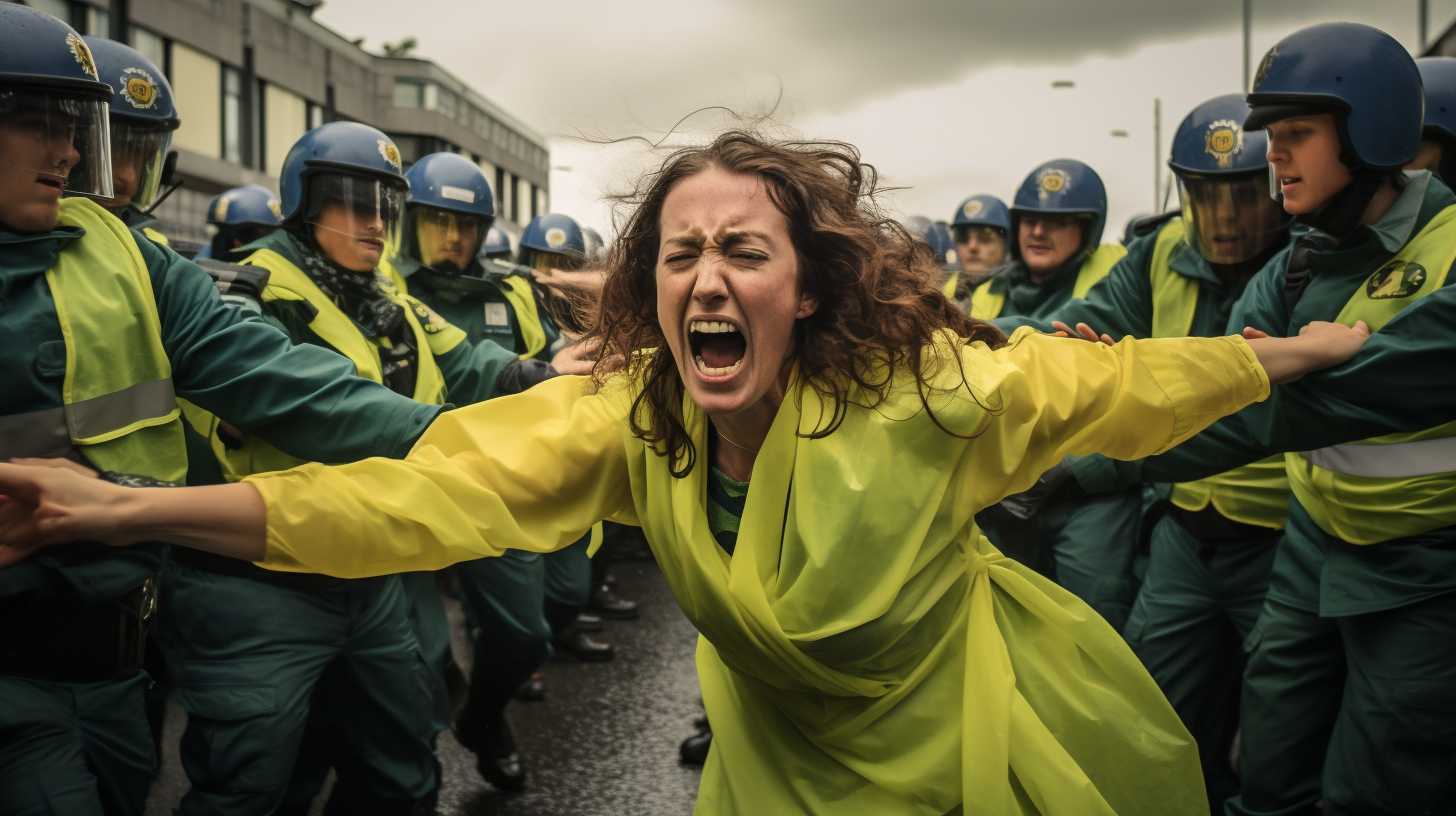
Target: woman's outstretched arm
x=531, y=471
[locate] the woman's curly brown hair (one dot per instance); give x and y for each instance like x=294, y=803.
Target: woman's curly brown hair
x=878, y=290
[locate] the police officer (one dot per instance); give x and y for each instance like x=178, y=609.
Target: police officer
x=1212, y=541
x=143, y=117
x=509, y=599
x=980, y=227
x=1347, y=691
x=105, y=330
x=497, y=245
x=936, y=237
x=1057, y=219
x=239, y=217
x=1087, y=544
x=1437, y=152
x=342, y=200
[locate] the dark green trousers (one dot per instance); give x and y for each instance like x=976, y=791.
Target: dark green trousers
x=249, y=657
x=1358, y=710
x=1197, y=606
x=432, y=630
x=74, y=748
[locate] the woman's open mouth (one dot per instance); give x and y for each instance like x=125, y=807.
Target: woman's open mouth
x=718, y=348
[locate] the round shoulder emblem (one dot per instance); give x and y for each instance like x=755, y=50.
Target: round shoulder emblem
x=556, y=237
x=138, y=88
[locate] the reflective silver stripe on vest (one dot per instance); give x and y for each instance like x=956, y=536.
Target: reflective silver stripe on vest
x=1401, y=460
x=38, y=433
x=119, y=409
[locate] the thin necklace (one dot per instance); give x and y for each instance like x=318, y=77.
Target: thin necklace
x=724, y=437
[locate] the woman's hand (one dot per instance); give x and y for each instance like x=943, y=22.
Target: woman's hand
x=47, y=501
x=1320, y=344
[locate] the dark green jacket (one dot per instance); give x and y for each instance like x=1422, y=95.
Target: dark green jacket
x=1400, y=381
x=471, y=369
x=301, y=399
x=1121, y=304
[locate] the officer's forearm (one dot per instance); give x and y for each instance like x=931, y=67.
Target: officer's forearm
x=228, y=520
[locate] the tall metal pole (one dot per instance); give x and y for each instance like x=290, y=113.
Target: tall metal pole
x=1423, y=9
x=1248, y=36
x=1157, y=153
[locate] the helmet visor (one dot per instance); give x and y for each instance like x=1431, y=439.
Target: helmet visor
x=1230, y=219
x=446, y=237
x=137, y=157
x=357, y=207
x=64, y=140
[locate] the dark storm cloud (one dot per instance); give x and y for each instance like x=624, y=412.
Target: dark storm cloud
x=621, y=67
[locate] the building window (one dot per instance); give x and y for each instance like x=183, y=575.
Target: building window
x=232, y=114
x=315, y=116
x=59, y=9
x=446, y=103
x=151, y=46
x=409, y=94
x=98, y=22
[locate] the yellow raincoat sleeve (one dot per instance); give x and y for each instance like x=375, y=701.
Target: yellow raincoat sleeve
x=531, y=471
x=1051, y=397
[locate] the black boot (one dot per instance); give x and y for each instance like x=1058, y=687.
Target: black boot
x=533, y=690
x=694, y=749
x=500, y=668
x=496, y=757
x=584, y=647
x=610, y=605
x=570, y=639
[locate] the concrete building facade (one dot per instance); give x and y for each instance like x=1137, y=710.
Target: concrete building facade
x=251, y=76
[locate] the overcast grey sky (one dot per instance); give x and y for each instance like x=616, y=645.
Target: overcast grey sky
x=946, y=98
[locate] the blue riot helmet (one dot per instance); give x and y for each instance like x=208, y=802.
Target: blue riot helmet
x=1223, y=183
x=1438, y=134
x=982, y=211
x=351, y=167
x=241, y=216
x=553, y=240
x=143, y=117
x=450, y=209
x=49, y=87
x=1360, y=74
x=596, y=248
x=981, y=229
x=1062, y=187
x=935, y=235
x=497, y=245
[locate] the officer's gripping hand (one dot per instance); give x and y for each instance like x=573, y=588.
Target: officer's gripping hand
x=48, y=501
x=576, y=358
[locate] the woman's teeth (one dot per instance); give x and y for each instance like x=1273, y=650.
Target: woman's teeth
x=712, y=327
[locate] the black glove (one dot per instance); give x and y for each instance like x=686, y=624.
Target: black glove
x=1056, y=483
x=522, y=374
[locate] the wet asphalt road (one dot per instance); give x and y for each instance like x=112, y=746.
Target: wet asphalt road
x=603, y=743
